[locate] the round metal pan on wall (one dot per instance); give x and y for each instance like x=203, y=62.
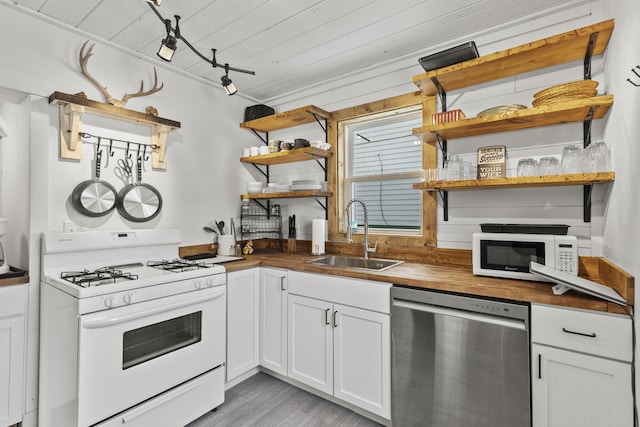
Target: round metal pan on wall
x=94, y=197
x=139, y=202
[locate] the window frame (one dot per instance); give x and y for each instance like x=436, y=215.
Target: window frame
x=345, y=146
x=336, y=203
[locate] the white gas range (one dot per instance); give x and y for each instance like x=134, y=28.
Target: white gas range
x=130, y=333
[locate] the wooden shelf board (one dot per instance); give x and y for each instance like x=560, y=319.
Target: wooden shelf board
x=543, y=53
x=288, y=195
x=544, y=115
x=287, y=119
x=521, y=181
x=288, y=156
x=111, y=111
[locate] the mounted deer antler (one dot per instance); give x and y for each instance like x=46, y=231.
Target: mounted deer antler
x=84, y=58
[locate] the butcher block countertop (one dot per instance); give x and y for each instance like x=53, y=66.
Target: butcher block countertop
x=452, y=278
x=15, y=280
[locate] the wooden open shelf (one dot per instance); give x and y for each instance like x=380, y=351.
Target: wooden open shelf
x=287, y=119
x=288, y=195
x=288, y=156
x=544, y=115
x=521, y=181
x=72, y=107
x=547, y=52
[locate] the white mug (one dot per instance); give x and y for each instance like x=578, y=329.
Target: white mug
x=254, y=151
x=264, y=149
x=226, y=244
x=246, y=152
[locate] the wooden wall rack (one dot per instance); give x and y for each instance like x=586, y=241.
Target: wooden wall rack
x=72, y=107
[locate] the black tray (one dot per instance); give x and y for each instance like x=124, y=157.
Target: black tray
x=13, y=272
x=555, y=229
x=454, y=55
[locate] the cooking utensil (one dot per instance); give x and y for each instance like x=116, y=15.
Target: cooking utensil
x=209, y=229
x=220, y=225
x=94, y=197
x=139, y=202
x=233, y=227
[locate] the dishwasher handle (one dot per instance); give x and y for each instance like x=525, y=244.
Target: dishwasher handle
x=469, y=315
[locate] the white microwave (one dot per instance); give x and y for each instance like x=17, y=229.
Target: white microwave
x=508, y=254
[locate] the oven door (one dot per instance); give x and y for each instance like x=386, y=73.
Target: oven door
x=132, y=353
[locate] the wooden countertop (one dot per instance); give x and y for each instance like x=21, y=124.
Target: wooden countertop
x=15, y=280
x=452, y=278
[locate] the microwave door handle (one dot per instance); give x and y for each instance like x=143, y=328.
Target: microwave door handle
x=107, y=320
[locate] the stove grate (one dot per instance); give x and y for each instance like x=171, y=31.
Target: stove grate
x=100, y=276
x=177, y=265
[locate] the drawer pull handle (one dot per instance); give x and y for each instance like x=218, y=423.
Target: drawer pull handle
x=591, y=335
x=326, y=316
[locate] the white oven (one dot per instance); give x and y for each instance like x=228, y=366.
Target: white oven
x=136, y=343
x=135, y=352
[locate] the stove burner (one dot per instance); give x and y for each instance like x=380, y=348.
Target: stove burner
x=100, y=276
x=177, y=265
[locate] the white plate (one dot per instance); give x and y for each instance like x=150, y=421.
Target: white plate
x=306, y=187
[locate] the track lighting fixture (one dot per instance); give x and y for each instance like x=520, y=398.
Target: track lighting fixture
x=170, y=43
x=227, y=84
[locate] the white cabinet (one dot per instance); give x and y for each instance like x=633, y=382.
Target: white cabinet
x=273, y=319
x=243, y=299
x=12, y=309
x=337, y=348
x=581, y=371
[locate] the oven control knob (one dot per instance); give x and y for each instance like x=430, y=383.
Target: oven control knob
x=128, y=298
x=210, y=282
x=197, y=283
x=109, y=301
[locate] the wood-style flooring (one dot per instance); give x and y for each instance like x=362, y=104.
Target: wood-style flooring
x=265, y=401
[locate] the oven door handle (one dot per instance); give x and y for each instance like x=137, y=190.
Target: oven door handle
x=116, y=320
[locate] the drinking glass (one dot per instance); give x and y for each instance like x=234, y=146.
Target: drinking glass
x=549, y=166
x=571, y=159
x=527, y=167
x=453, y=167
x=596, y=158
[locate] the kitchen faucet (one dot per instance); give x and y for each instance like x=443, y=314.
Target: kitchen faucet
x=367, y=249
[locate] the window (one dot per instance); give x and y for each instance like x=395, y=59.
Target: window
x=382, y=161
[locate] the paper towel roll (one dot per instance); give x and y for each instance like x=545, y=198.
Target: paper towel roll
x=318, y=236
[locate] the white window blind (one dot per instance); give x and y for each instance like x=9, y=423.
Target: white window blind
x=383, y=160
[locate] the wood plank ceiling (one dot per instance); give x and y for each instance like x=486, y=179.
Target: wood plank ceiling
x=290, y=44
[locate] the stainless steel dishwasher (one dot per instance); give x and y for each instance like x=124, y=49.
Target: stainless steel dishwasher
x=458, y=361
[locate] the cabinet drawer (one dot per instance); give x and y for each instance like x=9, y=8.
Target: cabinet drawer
x=365, y=294
x=600, y=334
x=12, y=300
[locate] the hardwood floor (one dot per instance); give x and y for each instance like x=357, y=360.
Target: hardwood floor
x=266, y=401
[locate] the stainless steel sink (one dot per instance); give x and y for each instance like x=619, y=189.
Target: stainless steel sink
x=377, y=264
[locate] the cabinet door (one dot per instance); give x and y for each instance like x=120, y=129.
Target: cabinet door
x=311, y=342
x=243, y=299
x=273, y=319
x=576, y=390
x=11, y=369
x=362, y=359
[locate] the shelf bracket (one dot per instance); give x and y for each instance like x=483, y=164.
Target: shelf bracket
x=444, y=195
x=324, y=206
x=315, y=116
x=70, y=128
x=441, y=92
x=586, y=210
x=442, y=142
x=259, y=203
x=266, y=174
x=264, y=138
x=588, y=54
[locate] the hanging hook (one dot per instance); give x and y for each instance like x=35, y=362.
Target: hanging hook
x=111, y=152
x=126, y=153
x=145, y=156
x=138, y=153
x=637, y=74
x=99, y=142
